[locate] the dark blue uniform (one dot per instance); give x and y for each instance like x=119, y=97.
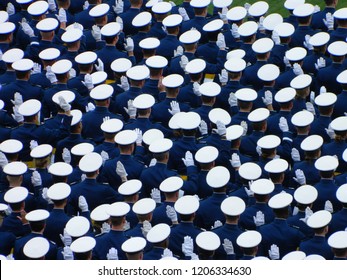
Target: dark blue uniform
x=187, y=95
x=7, y=240
x=327, y=77
x=317, y=245
x=336, y=148
x=246, y=221
x=326, y=191
x=127, y=18
x=339, y=107
x=8, y=77
x=13, y=224
x=317, y=18
x=167, y=46
x=298, y=38
x=55, y=225
x=197, y=22
x=159, y=214
x=250, y=77
x=112, y=239
x=296, y=222
x=339, y=221
x=110, y=148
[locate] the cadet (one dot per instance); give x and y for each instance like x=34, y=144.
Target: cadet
x=338, y=244
x=290, y=5
x=9, y=57
x=208, y=242
x=158, y=236
x=248, y=31
x=339, y=221
x=142, y=22
x=160, y=11
x=248, y=242
x=339, y=108
x=83, y=248
x=100, y=220
x=339, y=33
x=188, y=9
x=7, y=238
x=134, y=247
x=129, y=15
x=36, y=248
x=319, y=17
x=235, y=16
x=74, y=157
x=60, y=172
x=85, y=17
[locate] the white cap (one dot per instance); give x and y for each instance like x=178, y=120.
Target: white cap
x=112, y=126
x=47, y=24
x=172, y=20
x=285, y=95
x=77, y=226
x=268, y=72
x=236, y=13
x=296, y=54
x=284, y=29
x=36, y=247
x=110, y=29
x=38, y=8
x=150, y=3
x=190, y=120
x=292, y=4
x=130, y=187
x=200, y=3
x=125, y=137
x=60, y=169
x=344, y=155
x=326, y=163
x=68, y=96
x=16, y=195
x=149, y=43
x=206, y=154
x=294, y=256
x=101, y=92
x=339, y=124
x=86, y=57
x=213, y=25
x=269, y=142
x=210, y=89
x=341, y=193
x=2, y=104
x=258, y=115
x=161, y=8
x=171, y=184
x=262, y=186
x=121, y=65
x=83, y=244
x=195, y=66
x=160, y=146
x=272, y=20
x=3, y=207
x=61, y=66
x=312, y=143
x=187, y=205
x=15, y=168
x=338, y=240
x=314, y=257
x=305, y=194
x=138, y=72
x=90, y=162
x=263, y=45
x=222, y=3
x=158, y=233
x=218, y=114
x=59, y=191
x=235, y=64
x=319, y=39
x=237, y=53
x=190, y=37
x=234, y=132
x=24, y=64
x=338, y=48
x=29, y=107
x=258, y=9
x=49, y=54
x=233, y=206
x=142, y=19
x=134, y=245
x=175, y=119
x=71, y=35
x=23, y=1
x=260, y=258
x=99, y=10
x=41, y=151
x=218, y=177
x=303, y=10
x=246, y=94
x=118, y=209
x=173, y=81
x=11, y=146
x=3, y=17
x=208, y=240
x=340, y=13
x=319, y=219
x=144, y=206
x=74, y=25
x=250, y=171
x=326, y=99
x=280, y=200
x=342, y=77
x=249, y=239
x=156, y=61
x=302, y=118
x=248, y=28
x=152, y=135
x=37, y=215
x=98, y=77
x=12, y=55
x=277, y=165
x=82, y=149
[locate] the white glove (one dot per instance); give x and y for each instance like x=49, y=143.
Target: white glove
x=50, y=75
x=153, y=162
x=310, y=108
x=172, y=4
x=249, y=192
x=245, y=127
x=330, y=132
x=259, y=219
x=308, y=213
x=283, y=124
x=183, y=62
x=329, y=21
x=120, y=21
x=146, y=227
x=99, y=66
x=322, y=89
x=295, y=210
x=120, y=170
x=129, y=45
x=155, y=195
x=307, y=43
x=88, y=82
x=276, y=38
x=126, y=226
x=196, y=87
x=66, y=238
x=267, y=99
x=66, y=155
x=232, y=100
x=82, y=203
x=105, y=228
x=320, y=63
x=10, y=9
x=247, y=6
x=187, y=246
x=36, y=69
x=223, y=76
x=228, y=247
x=188, y=160
x=171, y=213
x=104, y=156
x=274, y=252
x=139, y=136
x=105, y=119
x=316, y=9
x=328, y=206
x=261, y=24
x=223, y=14
x=112, y=254
x=86, y=5
x=51, y=5
x=33, y=144
x=194, y=257
x=217, y=224
x=72, y=73
x=3, y=160
x=118, y=8
x=27, y=28
x=300, y=177
x=295, y=155
x=313, y=96
x=203, y=128
x=67, y=254
x=61, y=16
x=16, y=116
x=221, y=128
x=36, y=179
x=183, y=13
x=221, y=41
x=131, y=110
x=63, y=104
x=258, y=150
x=83, y=177
x=96, y=33
x=45, y=196
x=167, y=253
x=286, y=62
x=235, y=31
x=124, y=83
x=297, y=69
x=179, y=51
x=235, y=160
x=175, y=108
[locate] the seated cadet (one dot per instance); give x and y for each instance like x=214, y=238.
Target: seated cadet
x=9, y=57
x=338, y=244
x=249, y=243
x=319, y=222
x=134, y=247
x=278, y=171
x=83, y=247
x=279, y=232
x=339, y=107
x=207, y=242
x=339, y=221
x=160, y=11
x=339, y=33
x=36, y=248
x=158, y=237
